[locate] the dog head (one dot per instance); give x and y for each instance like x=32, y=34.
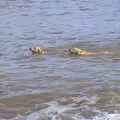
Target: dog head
x=37, y=50
x=75, y=51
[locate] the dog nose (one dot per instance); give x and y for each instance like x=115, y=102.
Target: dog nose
x=30, y=49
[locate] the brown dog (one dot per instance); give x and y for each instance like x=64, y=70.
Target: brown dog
x=37, y=50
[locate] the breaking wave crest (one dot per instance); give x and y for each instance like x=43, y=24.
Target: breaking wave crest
x=58, y=111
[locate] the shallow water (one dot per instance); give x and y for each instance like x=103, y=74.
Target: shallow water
x=53, y=87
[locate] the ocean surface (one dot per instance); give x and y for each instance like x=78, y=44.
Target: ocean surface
x=53, y=87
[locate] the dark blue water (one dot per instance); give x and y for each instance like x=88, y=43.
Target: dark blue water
x=53, y=87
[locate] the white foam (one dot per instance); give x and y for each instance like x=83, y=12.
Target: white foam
x=90, y=100
x=108, y=117
x=100, y=117
x=55, y=110
x=40, y=116
x=52, y=112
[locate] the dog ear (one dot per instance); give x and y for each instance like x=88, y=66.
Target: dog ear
x=39, y=51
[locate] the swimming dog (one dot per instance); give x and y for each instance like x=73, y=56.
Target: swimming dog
x=72, y=51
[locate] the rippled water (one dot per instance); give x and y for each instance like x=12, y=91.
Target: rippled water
x=53, y=87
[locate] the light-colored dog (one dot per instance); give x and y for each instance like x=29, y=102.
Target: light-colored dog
x=79, y=52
